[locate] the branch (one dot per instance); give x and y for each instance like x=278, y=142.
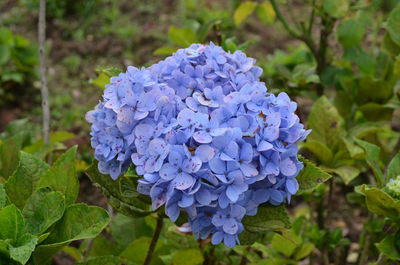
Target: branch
x=154, y=240
x=42, y=57
x=282, y=19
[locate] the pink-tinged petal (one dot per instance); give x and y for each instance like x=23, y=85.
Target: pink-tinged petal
x=249, y=170
x=183, y=181
x=192, y=165
x=202, y=137
x=185, y=117
x=205, y=153
x=168, y=171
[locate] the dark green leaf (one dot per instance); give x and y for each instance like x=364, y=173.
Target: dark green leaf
x=62, y=176
x=388, y=247
x=9, y=151
x=393, y=24
x=11, y=223
x=130, y=206
x=320, y=150
x=376, y=112
x=243, y=11
x=310, y=176
x=268, y=218
x=125, y=229
x=390, y=46
x=351, y=32
x=372, y=157
x=22, y=250
x=22, y=183
x=79, y=222
x=205, y=29
x=394, y=167
x=329, y=129
x=43, y=209
x=3, y=196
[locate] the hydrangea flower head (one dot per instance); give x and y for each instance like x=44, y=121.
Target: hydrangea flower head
x=204, y=134
x=393, y=187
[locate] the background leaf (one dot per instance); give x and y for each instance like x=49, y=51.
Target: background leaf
x=183, y=37
x=191, y=256
x=266, y=13
x=243, y=11
x=393, y=24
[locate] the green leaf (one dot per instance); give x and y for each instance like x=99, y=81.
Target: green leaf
x=79, y=222
x=304, y=250
x=381, y=203
x=9, y=151
x=3, y=196
x=137, y=250
x=165, y=50
x=320, y=150
x=393, y=24
x=41, y=150
x=336, y=8
x=125, y=229
x=5, y=53
x=376, y=112
x=22, y=250
x=347, y=173
x=329, y=129
x=389, y=46
x=351, y=32
x=104, y=73
x=11, y=223
x=22, y=183
x=266, y=13
x=243, y=11
x=393, y=169
x=372, y=157
x=310, y=176
x=354, y=150
x=106, y=260
x=388, y=247
x=102, y=246
x=43, y=209
x=191, y=256
x=268, y=218
x=131, y=206
x=182, y=36
x=62, y=176
x=205, y=29
x=283, y=245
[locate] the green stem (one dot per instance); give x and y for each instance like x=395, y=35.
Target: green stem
x=282, y=19
x=156, y=236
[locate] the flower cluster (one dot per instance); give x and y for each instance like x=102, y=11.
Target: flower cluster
x=205, y=135
x=393, y=187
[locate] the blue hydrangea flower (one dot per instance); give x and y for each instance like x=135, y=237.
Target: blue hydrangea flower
x=205, y=135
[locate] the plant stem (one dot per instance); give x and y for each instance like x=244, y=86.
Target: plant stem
x=156, y=236
x=43, y=79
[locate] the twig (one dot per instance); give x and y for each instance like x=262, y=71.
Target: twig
x=153, y=243
x=42, y=58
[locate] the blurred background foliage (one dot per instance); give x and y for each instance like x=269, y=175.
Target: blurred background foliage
x=339, y=60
